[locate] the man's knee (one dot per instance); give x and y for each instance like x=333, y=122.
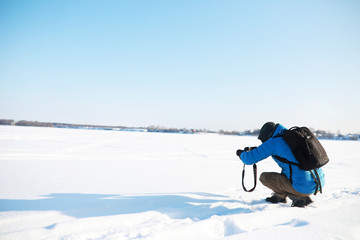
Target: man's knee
x=270, y=178
x=264, y=177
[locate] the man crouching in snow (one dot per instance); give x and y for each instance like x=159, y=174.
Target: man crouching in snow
x=303, y=183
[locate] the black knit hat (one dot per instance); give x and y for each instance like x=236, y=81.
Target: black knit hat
x=267, y=131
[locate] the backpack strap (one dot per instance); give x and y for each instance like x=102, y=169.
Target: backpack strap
x=317, y=181
x=284, y=160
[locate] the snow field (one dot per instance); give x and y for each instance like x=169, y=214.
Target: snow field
x=84, y=184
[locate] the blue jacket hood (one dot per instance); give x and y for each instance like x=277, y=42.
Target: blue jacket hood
x=279, y=130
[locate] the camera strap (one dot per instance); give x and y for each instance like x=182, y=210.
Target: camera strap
x=255, y=177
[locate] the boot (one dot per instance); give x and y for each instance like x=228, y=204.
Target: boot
x=275, y=199
x=300, y=201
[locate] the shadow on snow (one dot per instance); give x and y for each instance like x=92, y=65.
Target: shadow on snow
x=177, y=206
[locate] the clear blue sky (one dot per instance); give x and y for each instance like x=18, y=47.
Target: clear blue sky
x=229, y=65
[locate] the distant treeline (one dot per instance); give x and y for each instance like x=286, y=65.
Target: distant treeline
x=321, y=134
x=51, y=124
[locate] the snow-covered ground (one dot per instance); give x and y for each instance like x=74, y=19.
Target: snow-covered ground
x=86, y=184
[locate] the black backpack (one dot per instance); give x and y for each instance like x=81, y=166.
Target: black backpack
x=307, y=150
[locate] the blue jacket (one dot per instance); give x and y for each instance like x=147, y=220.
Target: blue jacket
x=303, y=181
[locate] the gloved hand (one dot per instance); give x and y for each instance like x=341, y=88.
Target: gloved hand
x=238, y=152
x=247, y=149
